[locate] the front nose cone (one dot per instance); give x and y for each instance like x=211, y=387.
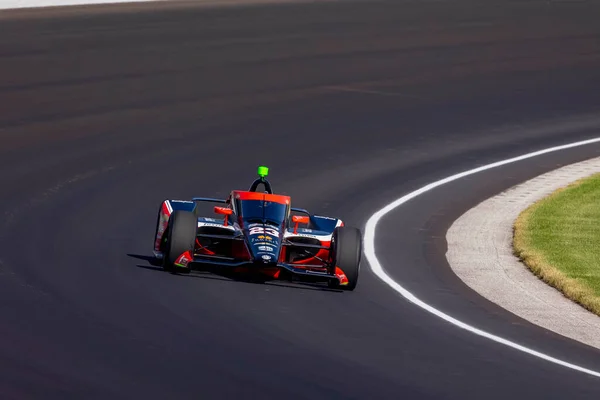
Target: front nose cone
x=266, y=253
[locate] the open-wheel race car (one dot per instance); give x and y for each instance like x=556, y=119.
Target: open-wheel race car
x=257, y=233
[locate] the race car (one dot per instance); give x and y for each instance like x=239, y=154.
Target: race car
x=257, y=233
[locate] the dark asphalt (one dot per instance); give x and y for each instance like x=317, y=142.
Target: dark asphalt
x=351, y=104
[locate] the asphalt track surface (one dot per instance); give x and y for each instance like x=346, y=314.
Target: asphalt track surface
x=106, y=111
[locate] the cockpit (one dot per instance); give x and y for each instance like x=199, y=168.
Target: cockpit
x=264, y=207
x=261, y=211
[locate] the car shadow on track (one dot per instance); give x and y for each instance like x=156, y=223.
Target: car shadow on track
x=153, y=261
x=155, y=265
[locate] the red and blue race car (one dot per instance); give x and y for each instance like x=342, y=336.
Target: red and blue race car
x=257, y=233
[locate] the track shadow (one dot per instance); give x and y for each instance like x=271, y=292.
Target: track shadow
x=151, y=259
x=150, y=267
x=216, y=274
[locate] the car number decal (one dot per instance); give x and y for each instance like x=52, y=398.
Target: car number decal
x=259, y=230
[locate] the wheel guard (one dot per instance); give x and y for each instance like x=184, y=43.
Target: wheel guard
x=341, y=276
x=184, y=259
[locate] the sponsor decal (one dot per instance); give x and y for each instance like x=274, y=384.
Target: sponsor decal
x=319, y=216
x=200, y=223
x=264, y=237
x=266, y=257
x=306, y=235
x=268, y=240
x=265, y=248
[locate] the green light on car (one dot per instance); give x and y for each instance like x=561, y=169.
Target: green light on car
x=263, y=171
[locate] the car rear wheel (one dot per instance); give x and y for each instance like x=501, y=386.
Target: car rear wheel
x=181, y=237
x=346, y=244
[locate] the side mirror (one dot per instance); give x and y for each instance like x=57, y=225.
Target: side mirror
x=297, y=219
x=224, y=211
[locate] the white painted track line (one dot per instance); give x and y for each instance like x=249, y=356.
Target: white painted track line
x=26, y=4
x=370, y=254
x=13, y=4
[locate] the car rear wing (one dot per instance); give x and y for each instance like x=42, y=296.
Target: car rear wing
x=321, y=223
x=300, y=210
x=209, y=199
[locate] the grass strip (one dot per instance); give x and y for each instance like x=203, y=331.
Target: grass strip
x=558, y=239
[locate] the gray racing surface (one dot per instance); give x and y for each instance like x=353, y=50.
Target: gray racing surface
x=106, y=111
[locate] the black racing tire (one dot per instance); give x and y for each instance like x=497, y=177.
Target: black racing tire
x=346, y=244
x=181, y=237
